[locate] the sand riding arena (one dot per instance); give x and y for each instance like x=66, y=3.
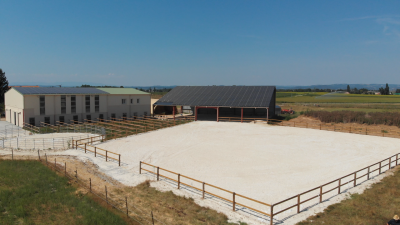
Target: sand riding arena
x=255, y=165
x=246, y=170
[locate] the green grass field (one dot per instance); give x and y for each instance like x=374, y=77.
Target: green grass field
x=323, y=97
x=31, y=193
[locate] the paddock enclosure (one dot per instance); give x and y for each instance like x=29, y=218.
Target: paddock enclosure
x=262, y=162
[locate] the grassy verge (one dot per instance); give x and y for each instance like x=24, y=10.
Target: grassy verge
x=30, y=193
x=170, y=208
x=377, y=205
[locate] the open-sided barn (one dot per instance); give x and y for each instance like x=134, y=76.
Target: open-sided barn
x=213, y=102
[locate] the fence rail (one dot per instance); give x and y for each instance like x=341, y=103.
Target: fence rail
x=295, y=201
x=31, y=143
x=84, y=145
x=230, y=196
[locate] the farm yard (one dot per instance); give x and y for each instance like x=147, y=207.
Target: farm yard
x=278, y=162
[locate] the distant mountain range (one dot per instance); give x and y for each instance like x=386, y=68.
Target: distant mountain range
x=329, y=86
x=343, y=86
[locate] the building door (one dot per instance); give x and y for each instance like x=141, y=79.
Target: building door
x=101, y=117
x=76, y=119
x=89, y=118
x=32, y=121
x=47, y=120
x=61, y=118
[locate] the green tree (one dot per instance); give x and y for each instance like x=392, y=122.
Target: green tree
x=387, y=90
x=348, y=88
x=3, y=85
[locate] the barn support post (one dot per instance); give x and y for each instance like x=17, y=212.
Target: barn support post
x=241, y=117
x=153, y=109
x=267, y=114
x=181, y=109
x=173, y=111
x=195, y=113
x=217, y=114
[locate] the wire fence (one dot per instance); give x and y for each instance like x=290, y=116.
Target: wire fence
x=130, y=209
x=12, y=131
x=31, y=143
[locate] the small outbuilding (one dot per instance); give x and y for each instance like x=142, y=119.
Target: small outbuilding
x=213, y=102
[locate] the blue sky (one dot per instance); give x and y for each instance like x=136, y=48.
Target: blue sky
x=135, y=43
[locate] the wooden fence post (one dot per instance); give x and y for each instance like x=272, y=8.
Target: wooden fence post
x=152, y=218
x=379, y=167
x=12, y=154
x=390, y=163
x=397, y=157
x=234, y=202
x=140, y=167
x=298, y=203
x=55, y=163
x=119, y=160
x=340, y=181
x=95, y=152
x=179, y=180
x=355, y=179
x=106, y=194
x=90, y=185
x=39, y=155
x=368, y=174
x=65, y=168
x=158, y=173
x=320, y=194
x=106, y=155
x=126, y=205
x=204, y=184
x=272, y=215
x=85, y=147
x=46, y=157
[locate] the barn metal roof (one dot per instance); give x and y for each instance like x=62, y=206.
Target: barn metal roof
x=57, y=90
x=224, y=96
x=124, y=91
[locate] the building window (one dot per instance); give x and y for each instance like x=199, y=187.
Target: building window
x=89, y=118
x=73, y=103
x=145, y=113
x=63, y=104
x=131, y=101
x=87, y=103
x=47, y=120
x=123, y=101
x=42, y=105
x=96, y=103
x=137, y=100
x=61, y=119
x=101, y=117
x=124, y=116
x=113, y=116
x=32, y=121
x=75, y=118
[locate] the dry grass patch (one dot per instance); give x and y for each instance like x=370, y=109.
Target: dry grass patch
x=377, y=205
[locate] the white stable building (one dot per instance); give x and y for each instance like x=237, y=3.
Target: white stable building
x=50, y=105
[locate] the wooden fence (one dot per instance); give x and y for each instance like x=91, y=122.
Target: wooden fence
x=235, y=198
x=84, y=144
x=337, y=184
x=296, y=201
x=375, y=131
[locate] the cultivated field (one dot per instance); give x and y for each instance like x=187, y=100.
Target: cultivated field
x=323, y=97
x=266, y=163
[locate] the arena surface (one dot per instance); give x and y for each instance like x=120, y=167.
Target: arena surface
x=268, y=163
